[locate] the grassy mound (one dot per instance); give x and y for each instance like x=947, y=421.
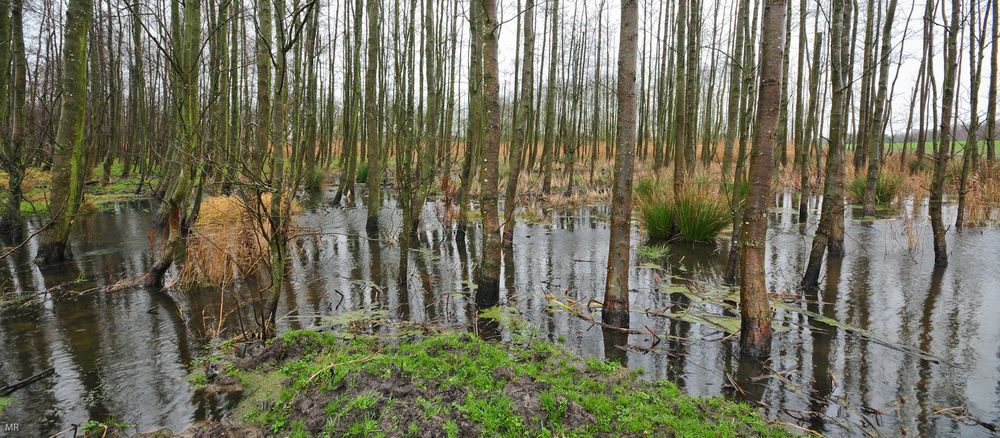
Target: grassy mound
x=454, y=384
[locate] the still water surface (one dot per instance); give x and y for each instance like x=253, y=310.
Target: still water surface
x=126, y=354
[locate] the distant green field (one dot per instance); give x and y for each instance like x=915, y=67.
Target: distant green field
x=912, y=146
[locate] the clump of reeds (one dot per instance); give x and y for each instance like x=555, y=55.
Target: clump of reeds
x=314, y=178
x=228, y=241
x=698, y=214
x=362, y=173
x=887, y=186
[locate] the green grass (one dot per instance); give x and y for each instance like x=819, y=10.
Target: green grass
x=455, y=384
x=315, y=177
x=657, y=214
x=700, y=217
x=652, y=252
x=696, y=216
x=362, y=172
x=912, y=145
x=36, y=187
x=887, y=186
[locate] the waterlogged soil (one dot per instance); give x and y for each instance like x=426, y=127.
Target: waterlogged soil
x=913, y=350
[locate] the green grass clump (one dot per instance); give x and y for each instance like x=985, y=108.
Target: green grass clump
x=645, y=187
x=362, y=175
x=697, y=215
x=887, y=186
x=456, y=384
x=656, y=213
x=700, y=216
x=315, y=178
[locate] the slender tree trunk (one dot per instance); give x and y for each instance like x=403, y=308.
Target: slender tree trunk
x=475, y=123
x=943, y=153
x=971, y=148
x=548, y=146
x=810, y=128
x=373, y=120
x=755, y=309
x=13, y=141
x=833, y=203
x=525, y=115
x=489, y=274
x=876, y=132
x=735, y=87
x=800, y=122
x=991, y=103
x=680, y=98
x=616, y=299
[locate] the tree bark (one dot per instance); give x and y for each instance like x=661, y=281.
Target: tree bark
x=616, y=299
x=944, y=149
x=525, y=115
x=489, y=275
x=68, y=163
x=755, y=309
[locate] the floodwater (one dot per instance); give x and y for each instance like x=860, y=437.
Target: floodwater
x=125, y=355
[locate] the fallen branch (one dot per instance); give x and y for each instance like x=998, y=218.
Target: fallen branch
x=9, y=389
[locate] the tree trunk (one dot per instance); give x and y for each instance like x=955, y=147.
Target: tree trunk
x=373, y=120
x=616, y=299
x=525, y=115
x=833, y=185
x=875, y=129
x=755, y=309
x=68, y=163
x=489, y=274
x=550, y=96
x=943, y=153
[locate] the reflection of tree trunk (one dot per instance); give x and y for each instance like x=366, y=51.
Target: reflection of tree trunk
x=615, y=345
x=924, y=389
x=747, y=376
x=822, y=337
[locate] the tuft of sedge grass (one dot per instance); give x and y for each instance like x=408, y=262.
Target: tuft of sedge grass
x=698, y=214
x=656, y=213
x=887, y=186
x=362, y=173
x=315, y=177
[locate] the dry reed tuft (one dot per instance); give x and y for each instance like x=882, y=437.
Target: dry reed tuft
x=228, y=241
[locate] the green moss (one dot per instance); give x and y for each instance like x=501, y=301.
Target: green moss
x=5, y=402
x=460, y=385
